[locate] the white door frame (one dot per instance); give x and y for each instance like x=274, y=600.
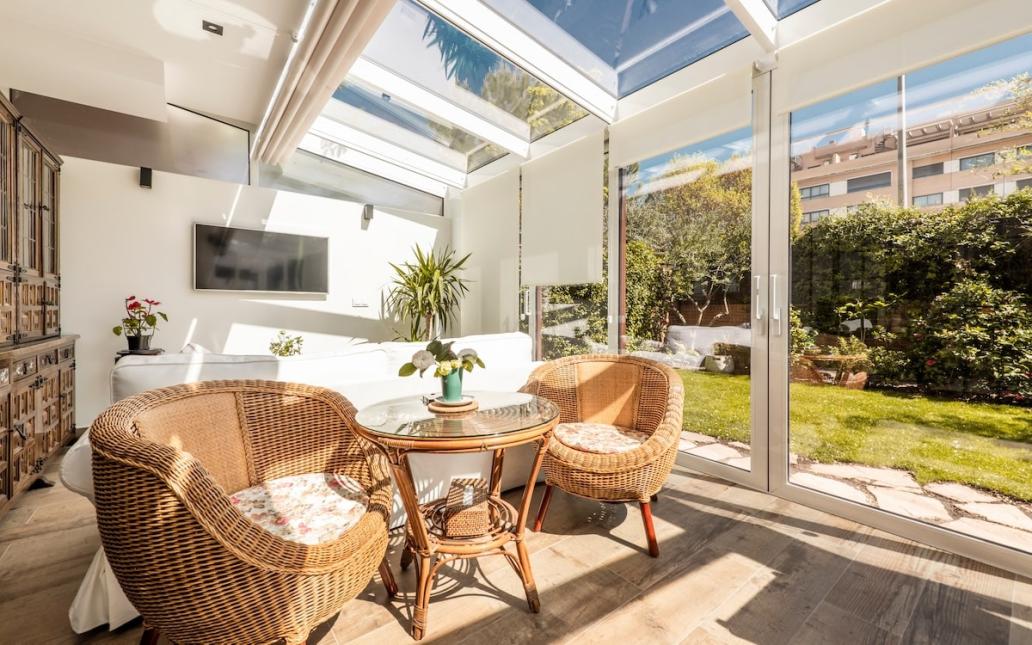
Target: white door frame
x=757, y=476
x=778, y=399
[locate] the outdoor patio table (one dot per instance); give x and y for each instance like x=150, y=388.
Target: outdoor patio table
x=503, y=420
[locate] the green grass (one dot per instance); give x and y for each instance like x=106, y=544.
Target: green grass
x=981, y=444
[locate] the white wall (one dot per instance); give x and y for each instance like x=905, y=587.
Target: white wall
x=118, y=239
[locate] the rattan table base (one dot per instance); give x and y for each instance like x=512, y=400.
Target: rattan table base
x=503, y=421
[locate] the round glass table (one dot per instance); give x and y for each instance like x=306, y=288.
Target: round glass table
x=503, y=420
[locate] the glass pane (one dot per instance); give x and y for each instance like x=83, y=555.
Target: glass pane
x=911, y=327
x=626, y=45
x=686, y=287
x=429, y=51
x=785, y=8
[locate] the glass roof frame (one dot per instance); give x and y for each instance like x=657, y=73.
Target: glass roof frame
x=447, y=86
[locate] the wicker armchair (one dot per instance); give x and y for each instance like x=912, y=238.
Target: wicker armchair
x=642, y=399
x=196, y=568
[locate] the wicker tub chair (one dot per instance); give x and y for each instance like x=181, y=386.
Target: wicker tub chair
x=166, y=465
x=637, y=401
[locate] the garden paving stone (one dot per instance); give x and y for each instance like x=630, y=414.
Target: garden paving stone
x=910, y=504
x=829, y=486
x=992, y=532
x=716, y=452
x=959, y=492
x=1001, y=514
x=745, y=463
x=887, y=477
x=696, y=437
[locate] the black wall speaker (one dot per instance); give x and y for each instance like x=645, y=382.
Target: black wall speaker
x=145, y=178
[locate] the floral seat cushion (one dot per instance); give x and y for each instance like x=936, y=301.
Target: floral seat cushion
x=599, y=438
x=310, y=509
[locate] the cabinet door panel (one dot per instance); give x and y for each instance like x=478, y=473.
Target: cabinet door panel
x=24, y=424
x=29, y=179
x=67, y=401
x=31, y=299
x=7, y=188
x=49, y=412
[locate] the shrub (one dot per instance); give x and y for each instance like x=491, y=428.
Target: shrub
x=286, y=345
x=976, y=337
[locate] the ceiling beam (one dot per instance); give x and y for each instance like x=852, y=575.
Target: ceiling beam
x=406, y=91
x=340, y=153
x=482, y=23
x=380, y=148
x=758, y=19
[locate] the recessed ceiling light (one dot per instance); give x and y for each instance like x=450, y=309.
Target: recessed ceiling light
x=211, y=27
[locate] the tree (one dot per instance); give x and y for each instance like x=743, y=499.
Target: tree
x=1019, y=89
x=702, y=229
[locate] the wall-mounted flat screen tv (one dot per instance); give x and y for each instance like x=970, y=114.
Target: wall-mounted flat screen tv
x=239, y=259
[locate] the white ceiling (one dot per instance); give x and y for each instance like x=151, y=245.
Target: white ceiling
x=231, y=75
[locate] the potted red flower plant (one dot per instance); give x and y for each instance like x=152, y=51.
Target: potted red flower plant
x=140, y=322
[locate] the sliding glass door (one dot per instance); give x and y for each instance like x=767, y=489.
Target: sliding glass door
x=692, y=281
x=901, y=385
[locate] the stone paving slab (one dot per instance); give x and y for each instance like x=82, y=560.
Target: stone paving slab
x=696, y=437
x=908, y=504
x=959, y=492
x=829, y=486
x=886, y=477
x=1000, y=513
x=716, y=452
x=992, y=532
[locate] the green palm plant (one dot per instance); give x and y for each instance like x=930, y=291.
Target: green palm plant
x=427, y=293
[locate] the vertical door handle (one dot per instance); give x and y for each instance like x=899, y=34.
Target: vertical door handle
x=775, y=305
x=757, y=295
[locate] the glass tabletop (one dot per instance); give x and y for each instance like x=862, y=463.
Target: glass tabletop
x=499, y=414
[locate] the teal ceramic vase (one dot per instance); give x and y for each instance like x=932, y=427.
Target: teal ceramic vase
x=451, y=386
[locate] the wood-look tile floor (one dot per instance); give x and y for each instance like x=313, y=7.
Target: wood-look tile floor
x=736, y=566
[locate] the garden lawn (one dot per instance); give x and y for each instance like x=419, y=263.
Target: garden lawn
x=981, y=444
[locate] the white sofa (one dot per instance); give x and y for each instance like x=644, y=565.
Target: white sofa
x=365, y=374
x=688, y=345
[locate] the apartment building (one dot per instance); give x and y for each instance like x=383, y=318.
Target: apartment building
x=946, y=162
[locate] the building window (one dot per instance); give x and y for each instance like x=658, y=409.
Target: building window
x=1024, y=183
x=929, y=170
x=975, y=191
x=812, y=192
x=813, y=216
x=869, y=182
x=934, y=199
x=978, y=161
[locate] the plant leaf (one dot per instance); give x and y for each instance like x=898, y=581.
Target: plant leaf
x=408, y=369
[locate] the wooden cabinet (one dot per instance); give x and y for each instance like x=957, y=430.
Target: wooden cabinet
x=37, y=364
x=37, y=409
x=30, y=273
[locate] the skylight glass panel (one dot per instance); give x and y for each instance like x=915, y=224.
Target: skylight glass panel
x=429, y=52
x=627, y=44
x=785, y=8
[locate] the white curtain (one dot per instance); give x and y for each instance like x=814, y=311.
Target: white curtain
x=336, y=34
x=562, y=215
x=719, y=106
x=488, y=229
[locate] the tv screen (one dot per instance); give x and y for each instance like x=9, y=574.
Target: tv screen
x=238, y=259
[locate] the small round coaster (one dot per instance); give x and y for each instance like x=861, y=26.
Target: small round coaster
x=441, y=408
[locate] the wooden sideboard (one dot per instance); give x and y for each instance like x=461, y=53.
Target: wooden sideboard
x=37, y=364
x=37, y=410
